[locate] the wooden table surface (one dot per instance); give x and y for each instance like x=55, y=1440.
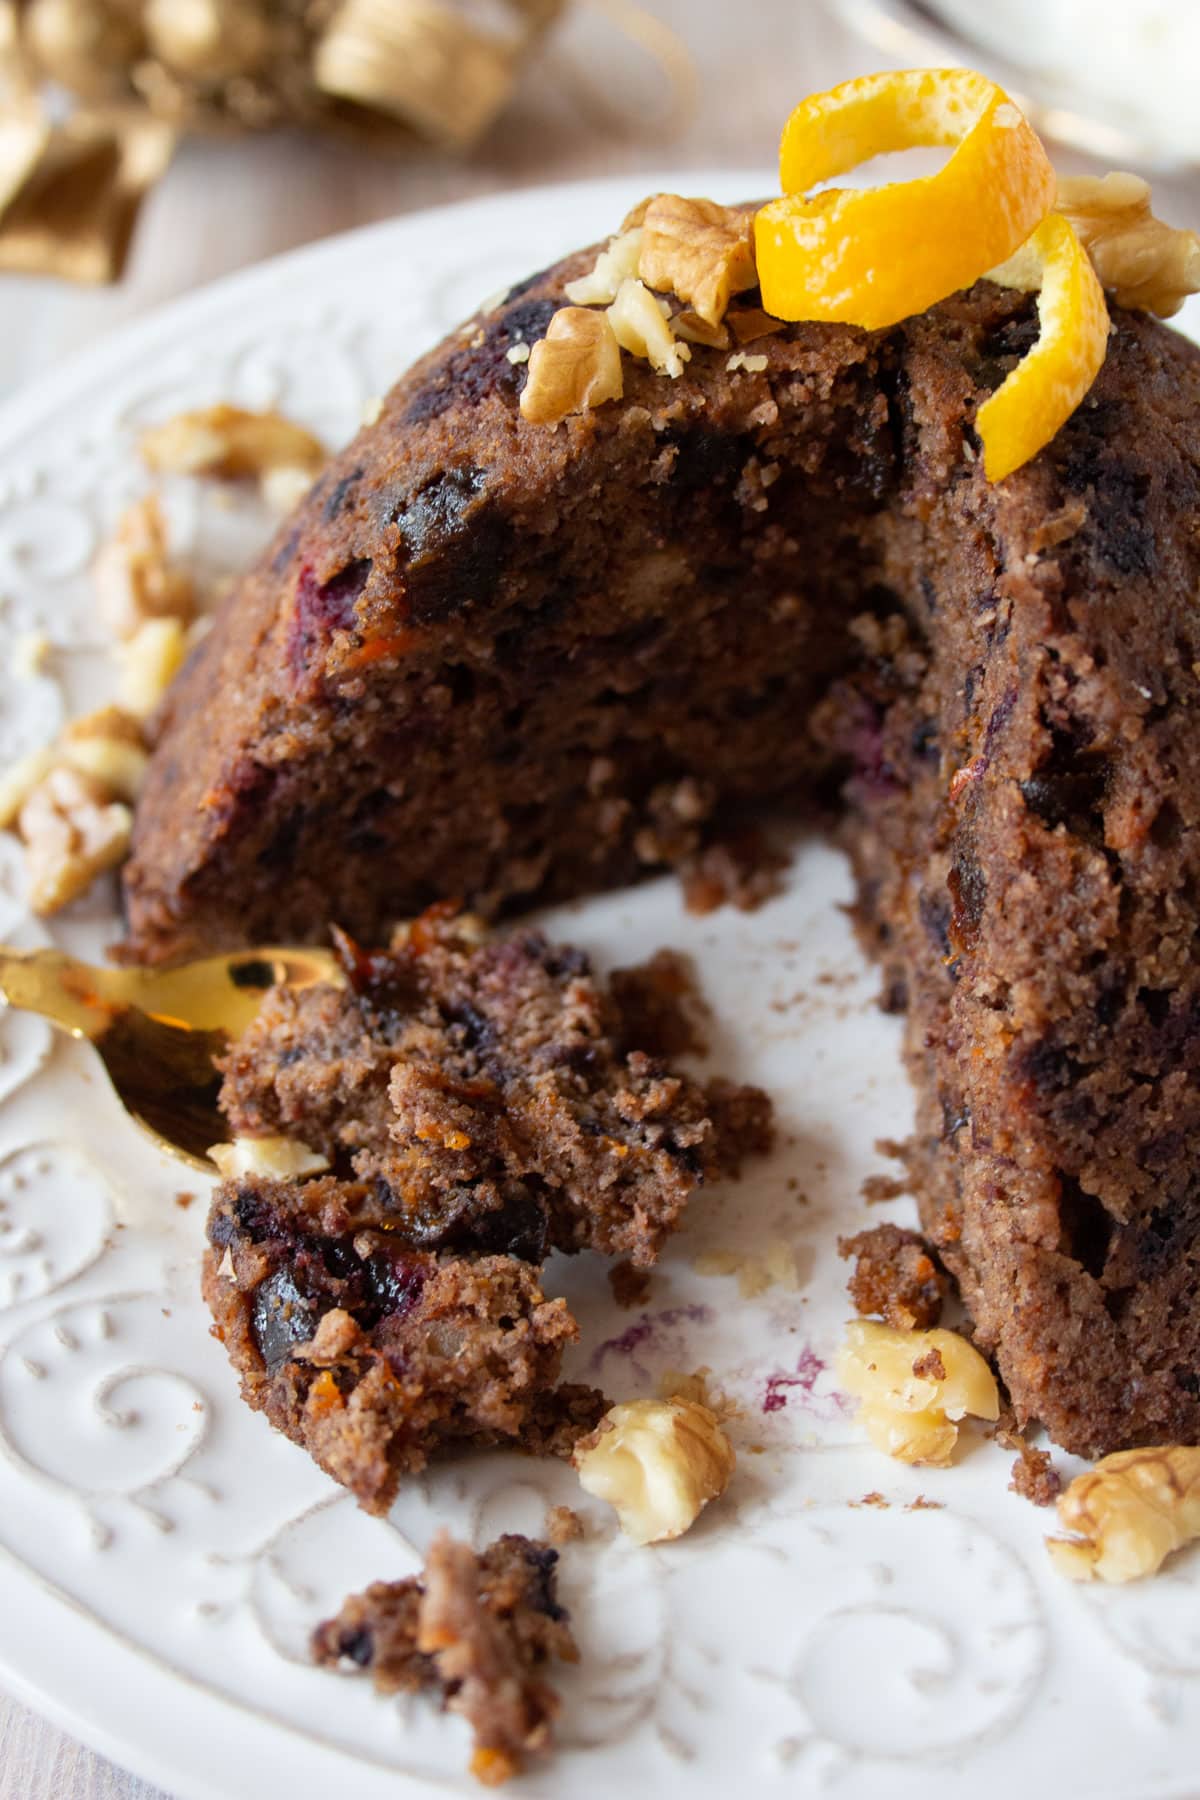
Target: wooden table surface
x=589, y=105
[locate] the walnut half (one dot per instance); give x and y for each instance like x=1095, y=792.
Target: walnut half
x=576, y=366
x=698, y=250
x=914, y=1387
x=1129, y=1513
x=658, y=1462
x=230, y=444
x=1144, y=264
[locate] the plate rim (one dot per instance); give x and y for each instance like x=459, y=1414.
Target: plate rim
x=147, y=329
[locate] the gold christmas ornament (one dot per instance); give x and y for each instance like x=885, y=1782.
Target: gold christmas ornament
x=142, y=73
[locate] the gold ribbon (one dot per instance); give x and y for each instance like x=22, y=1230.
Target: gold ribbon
x=142, y=73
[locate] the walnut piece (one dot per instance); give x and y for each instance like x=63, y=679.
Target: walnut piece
x=284, y=486
x=576, y=366
x=777, y=1267
x=1129, y=1513
x=640, y=327
x=616, y=263
x=149, y=662
x=658, y=1462
x=107, y=747
x=694, y=330
x=18, y=781
x=914, y=1387
x=1144, y=264
x=134, y=576
x=230, y=443
x=698, y=250
x=278, y=1158
x=73, y=831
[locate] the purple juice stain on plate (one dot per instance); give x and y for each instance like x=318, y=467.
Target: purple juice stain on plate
x=661, y=1334
x=801, y=1383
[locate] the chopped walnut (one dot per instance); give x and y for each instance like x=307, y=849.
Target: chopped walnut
x=1144, y=264
x=1129, y=1513
x=680, y=1384
x=149, y=662
x=134, y=577
x=658, y=1462
x=755, y=1274
x=576, y=366
x=640, y=327
x=284, y=486
x=73, y=831
x=615, y=264
x=106, y=746
x=749, y=323
x=914, y=1387
x=698, y=250
x=230, y=443
x=693, y=330
x=18, y=781
x=278, y=1158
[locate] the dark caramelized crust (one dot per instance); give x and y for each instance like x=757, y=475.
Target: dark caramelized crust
x=494, y=1095
x=474, y=1629
x=373, y=1355
x=502, y=661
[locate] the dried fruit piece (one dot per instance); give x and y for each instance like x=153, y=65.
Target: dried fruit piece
x=1129, y=1512
x=699, y=251
x=873, y=256
x=1048, y=383
x=914, y=1387
x=577, y=365
x=658, y=1462
x=1142, y=262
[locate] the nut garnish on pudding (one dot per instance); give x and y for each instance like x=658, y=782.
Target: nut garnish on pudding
x=658, y=1463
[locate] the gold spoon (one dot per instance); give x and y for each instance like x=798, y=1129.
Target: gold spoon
x=158, y=1031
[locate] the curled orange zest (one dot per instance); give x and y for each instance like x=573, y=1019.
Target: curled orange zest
x=1049, y=382
x=873, y=256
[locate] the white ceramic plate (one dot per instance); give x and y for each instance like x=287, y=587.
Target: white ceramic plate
x=163, y=1555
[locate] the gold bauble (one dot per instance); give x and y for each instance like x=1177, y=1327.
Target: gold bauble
x=86, y=44
x=210, y=40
